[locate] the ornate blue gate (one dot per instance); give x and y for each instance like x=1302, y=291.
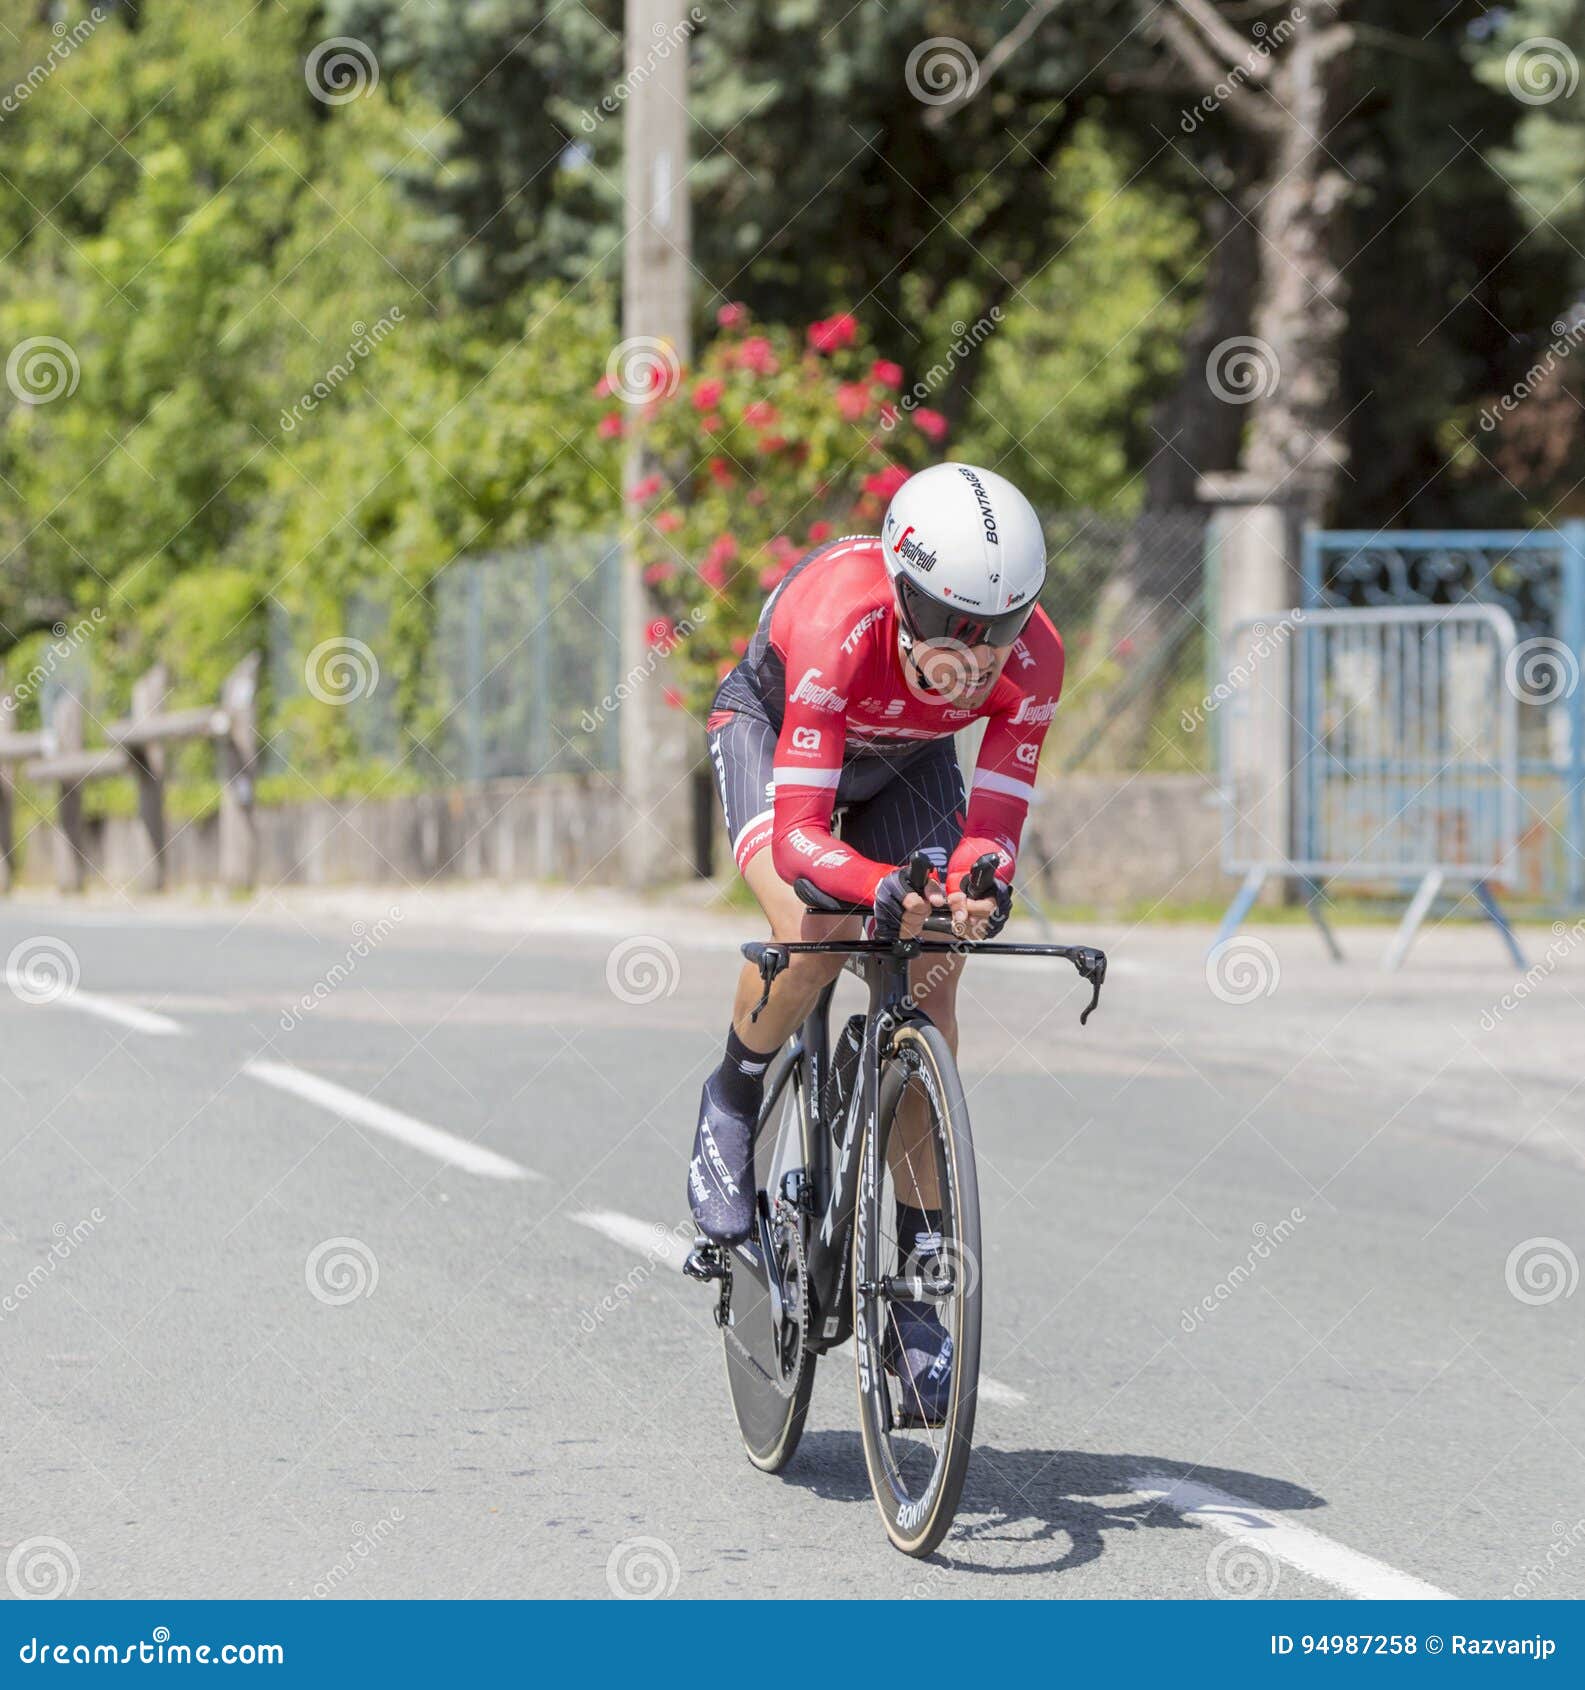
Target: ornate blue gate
x=1539, y=579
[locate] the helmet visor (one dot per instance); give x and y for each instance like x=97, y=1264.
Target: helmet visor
x=929, y=619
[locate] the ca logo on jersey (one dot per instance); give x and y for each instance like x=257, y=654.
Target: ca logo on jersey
x=806, y=739
x=1028, y=755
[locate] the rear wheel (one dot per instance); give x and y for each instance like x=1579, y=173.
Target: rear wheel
x=916, y=1469
x=769, y=1366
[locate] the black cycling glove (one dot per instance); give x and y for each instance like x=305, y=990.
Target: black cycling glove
x=1003, y=894
x=890, y=896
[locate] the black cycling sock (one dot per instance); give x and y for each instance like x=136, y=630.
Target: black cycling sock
x=740, y=1080
x=918, y=1233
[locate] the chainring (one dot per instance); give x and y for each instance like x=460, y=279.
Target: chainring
x=792, y=1267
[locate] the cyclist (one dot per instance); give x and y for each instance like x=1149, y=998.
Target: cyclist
x=868, y=657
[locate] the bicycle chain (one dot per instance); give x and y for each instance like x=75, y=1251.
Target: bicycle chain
x=785, y=1217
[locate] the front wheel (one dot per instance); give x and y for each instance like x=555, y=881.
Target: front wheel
x=919, y=1139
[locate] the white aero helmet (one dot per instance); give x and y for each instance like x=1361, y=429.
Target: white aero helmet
x=966, y=555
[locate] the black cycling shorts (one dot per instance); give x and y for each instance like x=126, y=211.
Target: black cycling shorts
x=886, y=809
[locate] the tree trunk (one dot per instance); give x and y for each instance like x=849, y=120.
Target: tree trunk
x=1295, y=433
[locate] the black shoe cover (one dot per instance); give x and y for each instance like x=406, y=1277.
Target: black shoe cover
x=721, y=1174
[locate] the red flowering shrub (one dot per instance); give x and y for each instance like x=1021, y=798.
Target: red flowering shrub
x=772, y=446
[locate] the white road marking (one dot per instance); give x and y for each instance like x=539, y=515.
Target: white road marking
x=647, y=1238
x=991, y=1390
x=107, y=1009
x=1285, y=1540
x=651, y=1239
x=419, y=1135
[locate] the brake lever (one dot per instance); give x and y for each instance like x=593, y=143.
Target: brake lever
x=1091, y=965
x=772, y=960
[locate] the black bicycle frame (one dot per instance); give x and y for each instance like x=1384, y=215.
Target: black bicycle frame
x=830, y=1163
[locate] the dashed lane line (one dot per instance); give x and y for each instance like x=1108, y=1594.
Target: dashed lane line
x=1285, y=1540
x=671, y=1245
x=91, y=1003
x=381, y=1118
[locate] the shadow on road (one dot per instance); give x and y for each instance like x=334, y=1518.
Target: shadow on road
x=1031, y=1496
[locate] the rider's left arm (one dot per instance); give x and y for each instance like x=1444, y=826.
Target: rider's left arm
x=1004, y=776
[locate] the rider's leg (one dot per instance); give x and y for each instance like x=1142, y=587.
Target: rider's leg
x=933, y=985
x=720, y=1173
x=799, y=984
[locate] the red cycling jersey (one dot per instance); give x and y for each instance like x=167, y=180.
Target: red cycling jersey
x=825, y=669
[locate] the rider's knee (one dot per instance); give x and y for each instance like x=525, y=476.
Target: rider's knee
x=808, y=972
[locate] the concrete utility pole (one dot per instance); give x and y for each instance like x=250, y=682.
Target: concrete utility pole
x=656, y=741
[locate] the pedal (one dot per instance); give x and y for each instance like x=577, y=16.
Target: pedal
x=705, y=1261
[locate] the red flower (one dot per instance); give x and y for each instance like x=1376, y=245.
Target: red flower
x=645, y=489
x=756, y=496
x=712, y=574
x=658, y=573
x=712, y=423
x=886, y=373
x=707, y=395
x=610, y=426
x=888, y=416
x=668, y=522
x=819, y=531
x=931, y=424
x=673, y=698
x=884, y=483
x=724, y=668
x=732, y=316
x=722, y=550
x=660, y=633
x=1125, y=647
x=740, y=645
x=721, y=472
x=853, y=400
x=772, y=442
x=761, y=414
x=757, y=354
x=772, y=578
x=833, y=333
x=602, y=387
x=783, y=550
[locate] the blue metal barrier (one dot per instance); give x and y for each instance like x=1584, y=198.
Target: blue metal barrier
x=1538, y=577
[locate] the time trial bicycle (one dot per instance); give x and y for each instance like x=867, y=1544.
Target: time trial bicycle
x=823, y=1264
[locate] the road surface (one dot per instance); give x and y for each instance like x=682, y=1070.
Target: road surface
x=339, y=1243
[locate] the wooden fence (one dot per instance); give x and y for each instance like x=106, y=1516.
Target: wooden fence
x=136, y=745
